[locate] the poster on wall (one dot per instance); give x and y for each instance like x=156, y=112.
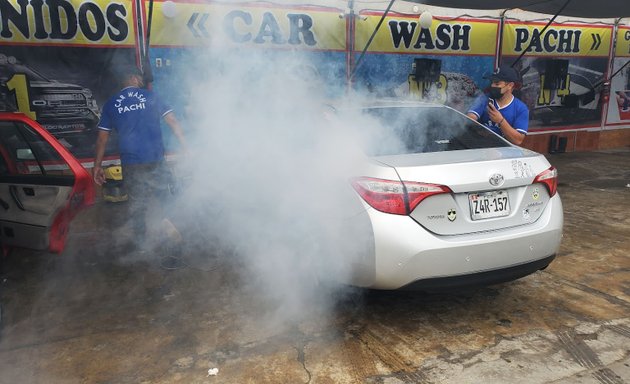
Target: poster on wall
x=445, y=63
x=191, y=39
x=563, y=71
x=619, y=106
x=58, y=63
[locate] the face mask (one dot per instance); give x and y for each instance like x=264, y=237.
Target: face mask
x=495, y=92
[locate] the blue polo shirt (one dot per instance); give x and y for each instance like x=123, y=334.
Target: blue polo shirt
x=135, y=114
x=515, y=112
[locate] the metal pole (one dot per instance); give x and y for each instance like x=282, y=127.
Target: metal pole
x=378, y=26
x=612, y=56
x=149, y=21
x=146, y=64
x=499, y=50
x=541, y=32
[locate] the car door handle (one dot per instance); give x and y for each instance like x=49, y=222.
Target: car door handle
x=14, y=195
x=4, y=205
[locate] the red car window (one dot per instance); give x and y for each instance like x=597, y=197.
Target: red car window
x=27, y=153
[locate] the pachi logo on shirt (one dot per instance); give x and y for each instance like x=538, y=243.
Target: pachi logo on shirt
x=140, y=104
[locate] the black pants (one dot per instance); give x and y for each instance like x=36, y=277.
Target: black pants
x=148, y=187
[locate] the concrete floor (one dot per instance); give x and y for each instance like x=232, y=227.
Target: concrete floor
x=97, y=315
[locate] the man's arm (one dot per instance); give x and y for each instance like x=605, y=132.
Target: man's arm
x=101, y=142
x=511, y=134
x=173, y=123
x=478, y=106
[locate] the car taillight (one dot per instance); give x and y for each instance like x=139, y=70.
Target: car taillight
x=395, y=197
x=420, y=191
x=549, y=177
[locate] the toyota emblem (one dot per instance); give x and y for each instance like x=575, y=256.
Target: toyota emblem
x=496, y=180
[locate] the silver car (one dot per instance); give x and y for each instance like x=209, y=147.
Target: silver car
x=448, y=203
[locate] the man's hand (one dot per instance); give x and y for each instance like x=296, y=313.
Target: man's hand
x=97, y=171
x=511, y=134
x=494, y=113
x=99, y=175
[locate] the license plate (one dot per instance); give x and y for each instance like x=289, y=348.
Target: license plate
x=486, y=205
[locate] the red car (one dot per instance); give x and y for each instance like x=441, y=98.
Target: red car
x=42, y=186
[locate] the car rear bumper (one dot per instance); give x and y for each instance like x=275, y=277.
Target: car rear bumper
x=406, y=253
x=479, y=279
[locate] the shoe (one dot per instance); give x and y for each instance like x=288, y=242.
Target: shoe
x=171, y=231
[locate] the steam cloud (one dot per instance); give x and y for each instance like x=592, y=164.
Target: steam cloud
x=269, y=174
x=269, y=171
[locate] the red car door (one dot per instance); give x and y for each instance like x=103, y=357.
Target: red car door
x=42, y=186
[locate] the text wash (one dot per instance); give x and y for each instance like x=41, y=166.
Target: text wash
x=139, y=98
x=110, y=21
x=447, y=37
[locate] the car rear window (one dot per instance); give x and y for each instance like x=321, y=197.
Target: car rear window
x=403, y=130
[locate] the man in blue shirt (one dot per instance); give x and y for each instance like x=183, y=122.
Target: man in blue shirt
x=501, y=111
x=135, y=113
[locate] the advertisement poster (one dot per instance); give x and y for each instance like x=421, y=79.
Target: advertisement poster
x=619, y=107
x=563, y=71
x=445, y=63
x=58, y=62
x=189, y=38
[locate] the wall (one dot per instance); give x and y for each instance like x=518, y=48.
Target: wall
x=78, y=43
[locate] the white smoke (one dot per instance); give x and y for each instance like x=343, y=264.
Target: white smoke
x=268, y=177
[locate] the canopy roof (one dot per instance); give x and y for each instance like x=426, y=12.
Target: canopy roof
x=575, y=8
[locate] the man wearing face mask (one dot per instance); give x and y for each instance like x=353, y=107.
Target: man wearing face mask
x=500, y=111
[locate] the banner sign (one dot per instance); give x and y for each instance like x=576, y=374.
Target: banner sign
x=562, y=93
x=562, y=69
x=619, y=106
x=403, y=34
x=62, y=22
x=201, y=24
x=559, y=40
x=445, y=63
x=58, y=63
x=58, y=58
x=623, y=42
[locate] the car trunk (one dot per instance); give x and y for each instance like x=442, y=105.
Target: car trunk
x=492, y=189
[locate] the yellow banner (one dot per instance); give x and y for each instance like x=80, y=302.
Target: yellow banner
x=557, y=40
x=623, y=42
x=96, y=22
x=404, y=34
x=194, y=24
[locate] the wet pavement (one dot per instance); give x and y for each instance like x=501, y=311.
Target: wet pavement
x=98, y=314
